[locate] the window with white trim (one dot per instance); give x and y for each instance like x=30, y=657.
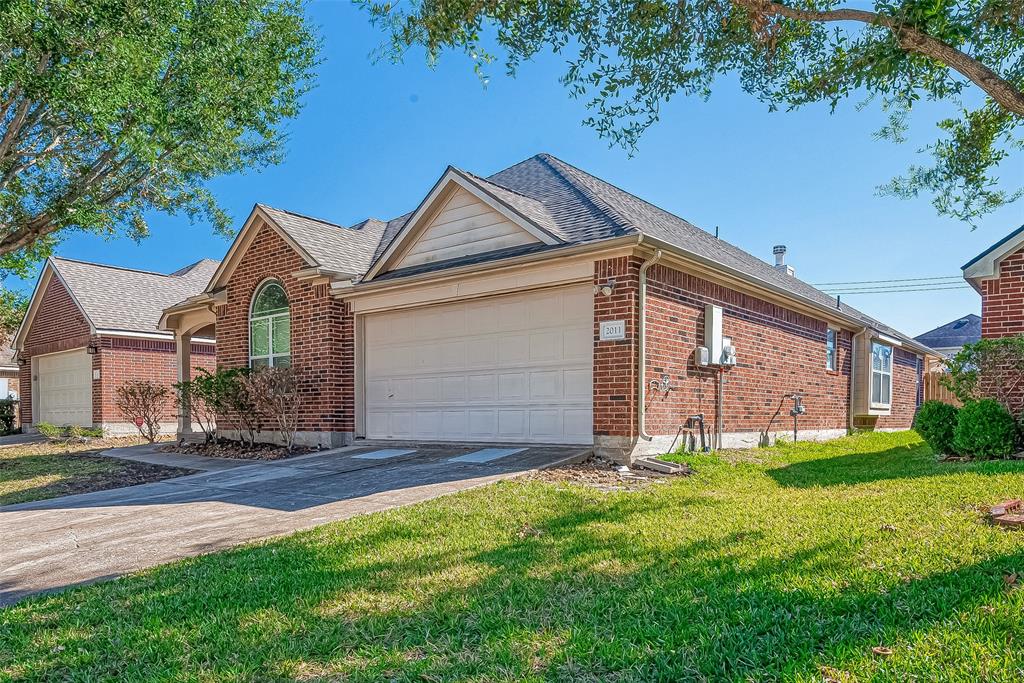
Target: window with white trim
x=881, y=375
x=270, y=342
x=830, y=349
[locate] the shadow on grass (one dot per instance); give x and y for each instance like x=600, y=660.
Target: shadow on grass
x=77, y=472
x=570, y=594
x=885, y=465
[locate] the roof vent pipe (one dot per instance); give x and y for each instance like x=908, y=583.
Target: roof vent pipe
x=780, y=260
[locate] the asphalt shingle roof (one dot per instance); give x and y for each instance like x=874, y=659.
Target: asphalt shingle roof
x=965, y=330
x=573, y=206
x=334, y=247
x=130, y=300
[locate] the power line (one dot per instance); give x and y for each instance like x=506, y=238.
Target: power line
x=897, y=291
x=876, y=282
x=896, y=288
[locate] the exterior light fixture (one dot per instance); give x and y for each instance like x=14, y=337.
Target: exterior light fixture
x=608, y=288
x=92, y=349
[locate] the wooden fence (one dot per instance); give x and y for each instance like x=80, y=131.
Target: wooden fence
x=933, y=389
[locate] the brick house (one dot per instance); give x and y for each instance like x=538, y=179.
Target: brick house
x=997, y=274
x=91, y=327
x=518, y=308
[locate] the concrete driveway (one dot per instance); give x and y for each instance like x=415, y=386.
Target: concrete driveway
x=52, y=544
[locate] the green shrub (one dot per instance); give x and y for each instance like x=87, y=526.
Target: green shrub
x=935, y=422
x=984, y=429
x=8, y=408
x=50, y=431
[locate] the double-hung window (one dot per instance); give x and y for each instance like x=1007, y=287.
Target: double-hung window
x=881, y=375
x=270, y=328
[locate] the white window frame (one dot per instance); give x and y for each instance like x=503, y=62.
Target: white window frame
x=831, y=360
x=886, y=375
x=270, y=357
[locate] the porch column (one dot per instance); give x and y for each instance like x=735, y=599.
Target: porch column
x=183, y=354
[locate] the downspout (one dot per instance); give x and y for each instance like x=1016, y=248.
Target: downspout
x=641, y=335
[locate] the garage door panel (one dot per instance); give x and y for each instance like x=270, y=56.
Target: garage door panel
x=482, y=423
x=453, y=389
x=545, y=424
x=511, y=386
x=515, y=368
x=546, y=346
x=481, y=352
x=577, y=424
x=545, y=385
x=65, y=388
x=578, y=384
x=511, y=424
x=454, y=423
x=482, y=387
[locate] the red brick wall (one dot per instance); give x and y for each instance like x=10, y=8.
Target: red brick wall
x=615, y=361
x=1002, y=299
x=121, y=359
x=322, y=333
x=779, y=352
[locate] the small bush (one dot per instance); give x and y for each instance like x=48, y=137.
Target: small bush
x=8, y=408
x=984, y=429
x=935, y=422
x=144, y=404
x=50, y=431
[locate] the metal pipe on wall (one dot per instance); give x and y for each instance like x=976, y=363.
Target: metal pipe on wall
x=641, y=339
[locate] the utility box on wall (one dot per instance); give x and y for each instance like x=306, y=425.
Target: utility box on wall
x=719, y=348
x=713, y=332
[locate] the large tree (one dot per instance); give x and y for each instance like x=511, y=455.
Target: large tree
x=628, y=57
x=111, y=109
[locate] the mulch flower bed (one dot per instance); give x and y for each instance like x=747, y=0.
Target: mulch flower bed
x=604, y=475
x=236, y=450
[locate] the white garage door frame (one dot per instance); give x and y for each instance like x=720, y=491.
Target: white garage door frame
x=580, y=434
x=39, y=403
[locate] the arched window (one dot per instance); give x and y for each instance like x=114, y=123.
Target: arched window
x=270, y=336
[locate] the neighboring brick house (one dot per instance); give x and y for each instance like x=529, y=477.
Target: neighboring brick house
x=518, y=308
x=998, y=276
x=91, y=327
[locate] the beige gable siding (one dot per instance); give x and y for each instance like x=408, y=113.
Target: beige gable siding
x=464, y=226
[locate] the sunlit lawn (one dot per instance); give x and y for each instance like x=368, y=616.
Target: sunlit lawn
x=774, y=565
x=36, y=471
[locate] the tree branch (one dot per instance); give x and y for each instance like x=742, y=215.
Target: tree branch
x=910, y=39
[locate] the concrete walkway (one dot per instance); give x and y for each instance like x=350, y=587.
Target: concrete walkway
x=20, y=439
x=51, y=544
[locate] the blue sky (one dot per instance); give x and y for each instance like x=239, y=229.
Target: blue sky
x=373, y=138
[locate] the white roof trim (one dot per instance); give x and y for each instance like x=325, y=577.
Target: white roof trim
x=150, y=335
x=244, y=239
x=453, y=176
x=986, y=265
x=887, y=339
x=45, y=276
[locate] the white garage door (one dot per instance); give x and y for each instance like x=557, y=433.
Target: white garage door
x=514, y=368
x=65, y=388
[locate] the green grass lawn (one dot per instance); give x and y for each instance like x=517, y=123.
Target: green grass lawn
x=37, y=471
x=789, y=564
